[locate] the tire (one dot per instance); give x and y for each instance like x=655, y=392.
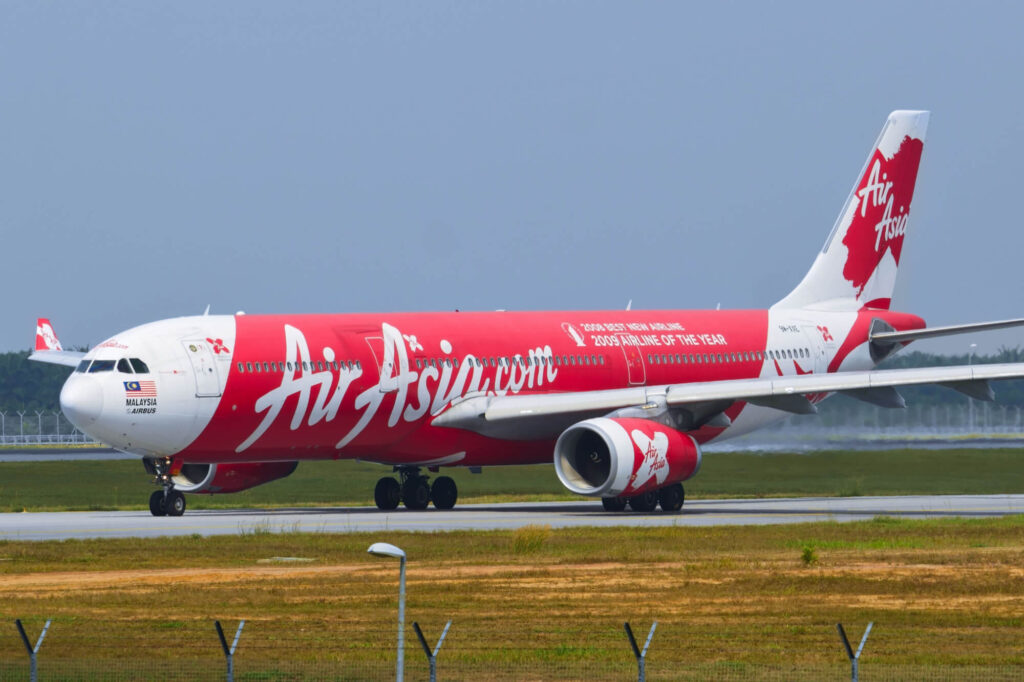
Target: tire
x=416, y=493
x=671, y=497
x=175, y=503
x=444, y=493
x=644, y=502
x=387, y=494
x=156, y=503
x=613, y=504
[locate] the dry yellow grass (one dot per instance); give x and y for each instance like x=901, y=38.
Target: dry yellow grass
x=940, y=593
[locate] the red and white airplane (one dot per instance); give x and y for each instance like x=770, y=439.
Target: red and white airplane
x=620, y=400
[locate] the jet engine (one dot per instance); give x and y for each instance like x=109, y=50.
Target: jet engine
x=229, y=478
x=608, y=457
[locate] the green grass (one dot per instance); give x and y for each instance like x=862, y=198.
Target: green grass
x=119, y=484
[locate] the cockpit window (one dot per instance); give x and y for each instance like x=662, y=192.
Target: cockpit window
x=123, y=366
x=101, y=366
x=139, y=366
x=83, y=366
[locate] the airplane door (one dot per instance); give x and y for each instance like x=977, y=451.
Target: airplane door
x=200, y=354
x=384, y=354
x=634, y=361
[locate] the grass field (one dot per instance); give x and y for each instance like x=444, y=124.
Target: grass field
x=37, y=486
x=947, y=598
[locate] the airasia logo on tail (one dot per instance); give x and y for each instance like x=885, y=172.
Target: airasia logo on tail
x=879, y=220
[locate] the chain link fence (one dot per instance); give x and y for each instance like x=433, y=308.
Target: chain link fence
x=34, y=427
x=974, y=419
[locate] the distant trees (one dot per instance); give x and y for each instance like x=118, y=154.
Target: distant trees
x=29, y=386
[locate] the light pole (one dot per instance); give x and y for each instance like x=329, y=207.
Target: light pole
x=386, y=550
x=970, y=403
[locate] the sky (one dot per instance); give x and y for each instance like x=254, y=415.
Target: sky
x=159, y=157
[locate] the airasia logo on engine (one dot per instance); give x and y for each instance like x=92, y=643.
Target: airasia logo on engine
x=654, y=462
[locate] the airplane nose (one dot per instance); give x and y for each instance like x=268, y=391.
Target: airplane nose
x=81, y=400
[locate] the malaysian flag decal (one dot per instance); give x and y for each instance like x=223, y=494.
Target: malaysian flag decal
x=140, y=389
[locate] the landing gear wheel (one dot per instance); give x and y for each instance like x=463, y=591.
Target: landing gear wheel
x=613, y=504
x=156, y=503
x=175, y=503
x=644, y=502
x=416, y=493
x=387, y=494
x=444, y=492
x=671, y=497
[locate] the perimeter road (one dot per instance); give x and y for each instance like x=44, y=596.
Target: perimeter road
x=68, y=525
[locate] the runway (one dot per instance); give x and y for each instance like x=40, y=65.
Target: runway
x=80, y=525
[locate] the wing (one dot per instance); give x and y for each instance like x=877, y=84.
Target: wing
x=536, y=416
x=48, y=348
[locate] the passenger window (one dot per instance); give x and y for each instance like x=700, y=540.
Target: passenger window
x=139, y=366
x=241, y=367
x=101, y=366
x=123, y=366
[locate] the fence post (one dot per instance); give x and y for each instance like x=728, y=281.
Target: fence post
x=32, y=651
x=431, y=657
x=3, y=426
x=21, y=425
x=229, y=652
x=641, y=656
x=854, y=657
x=56, y=420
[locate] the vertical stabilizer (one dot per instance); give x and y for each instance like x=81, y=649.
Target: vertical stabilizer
x=857, y=267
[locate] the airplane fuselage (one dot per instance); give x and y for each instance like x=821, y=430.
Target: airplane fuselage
x=257, y=388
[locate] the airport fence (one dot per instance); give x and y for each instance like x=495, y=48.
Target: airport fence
x=603, y=654
x=36, y=427
x=859, y=423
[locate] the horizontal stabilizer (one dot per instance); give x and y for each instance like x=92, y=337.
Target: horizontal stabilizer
x=48, y=348
x=933, y=332
x=68, y=358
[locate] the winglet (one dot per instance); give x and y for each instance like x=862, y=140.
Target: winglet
x=46, y=338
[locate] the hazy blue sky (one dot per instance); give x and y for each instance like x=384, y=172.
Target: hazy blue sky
x=368, y=156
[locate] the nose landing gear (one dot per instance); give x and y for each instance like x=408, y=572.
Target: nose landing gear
x=414, y=491
x=168, y=501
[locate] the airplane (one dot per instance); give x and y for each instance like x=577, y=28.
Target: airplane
x=621, y=401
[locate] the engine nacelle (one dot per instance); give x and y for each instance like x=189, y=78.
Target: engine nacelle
x=607, y=457
x=229, y=478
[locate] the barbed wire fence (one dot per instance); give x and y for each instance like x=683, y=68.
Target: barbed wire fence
x=74, y=650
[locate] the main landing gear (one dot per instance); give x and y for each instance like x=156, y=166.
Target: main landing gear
x=167, y=501
x=413, y=490
x=670, y=498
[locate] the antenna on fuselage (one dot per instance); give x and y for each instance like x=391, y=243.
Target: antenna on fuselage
x=207, y=311
x=629, y=306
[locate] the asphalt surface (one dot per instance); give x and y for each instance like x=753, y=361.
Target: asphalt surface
x=66, y=525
